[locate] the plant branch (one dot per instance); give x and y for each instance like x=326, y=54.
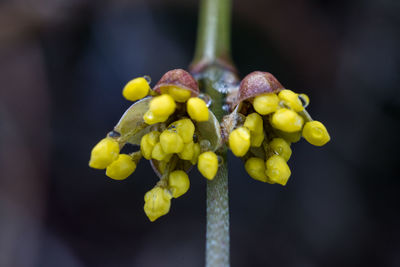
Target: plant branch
x=213, y=33
x=213, y=68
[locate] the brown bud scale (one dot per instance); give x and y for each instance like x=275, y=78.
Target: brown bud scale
x=179, y=78
x=257, y=83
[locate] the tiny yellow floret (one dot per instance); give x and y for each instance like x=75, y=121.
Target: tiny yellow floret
x=315, y=133
x=162, y=106
x=287, y=120
x=150, y=118
x=255, y=167
x=158, y=153
x=121, y=168
x=104, y=153
x=277, y=170
x=187, y=152
x=178, y=183
x=178, y=94
x=254, y=122
x=157, y=203
x=291, y=100
x=136, y=89
x=185, y=128
x=197, y=109
x=208, y=164
x=266, y=103
x=239, y=141
x=148, y=142
x=171, y=142
x=280, y=147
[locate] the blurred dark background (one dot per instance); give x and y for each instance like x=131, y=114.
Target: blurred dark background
x=62, y=67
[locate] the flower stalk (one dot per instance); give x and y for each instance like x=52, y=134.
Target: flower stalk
x=214, y=70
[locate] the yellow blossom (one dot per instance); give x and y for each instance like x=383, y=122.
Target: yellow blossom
x=157, y=202
x=208, y=164
x=280, y=147
x=255, y=167
x=148, y=142
x=239, y=141
x=277, y=170
x=121, y=168
x=177, y=93
x=178, y=183
x=105, y=152
x=266, y=103
x=315, y=133
x=291, y=99
x=171, y=142
x=136, y=89
x=197, y=109
x=287, y=120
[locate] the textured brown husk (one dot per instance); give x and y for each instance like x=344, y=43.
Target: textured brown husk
x=257, y=83
x=179, y=78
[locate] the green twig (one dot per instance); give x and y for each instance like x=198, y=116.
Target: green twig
x=213, y=68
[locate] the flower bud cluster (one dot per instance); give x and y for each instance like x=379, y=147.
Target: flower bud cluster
x=175, y=130
x=274, y=118
x=169, y=138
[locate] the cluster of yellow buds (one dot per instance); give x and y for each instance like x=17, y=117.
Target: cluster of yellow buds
x=270, y=118
x=175, y=130
x=171, y=123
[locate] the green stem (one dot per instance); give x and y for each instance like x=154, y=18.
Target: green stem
x=214, y=70
x=213, y=33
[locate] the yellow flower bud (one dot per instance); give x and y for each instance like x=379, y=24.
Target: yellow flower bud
x=280, y=147
x=158, y=153
x=171, y=142
x=153, y=137
x=178, y=183
x=208, y=164
x=150, y=118
x=157, y=203
x=148, y=142
x=255, y=167
x=254, y=123
x=162, y=106
x=277, y=170
x=196, y=153
x=266, y=103
x=256, y=139
x=177, y=93
x=136, y=89
x=105, y=152
x=185, y=128
x=287, y=120
x=291, y=99
x=187, y=152
x=121, y=168
x=197, y=109
x=315, y=133
x=239, y=141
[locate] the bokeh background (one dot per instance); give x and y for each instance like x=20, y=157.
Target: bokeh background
x=62, y=67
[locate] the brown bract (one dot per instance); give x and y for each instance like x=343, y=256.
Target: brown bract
x=257, y=83
x=179, y=78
